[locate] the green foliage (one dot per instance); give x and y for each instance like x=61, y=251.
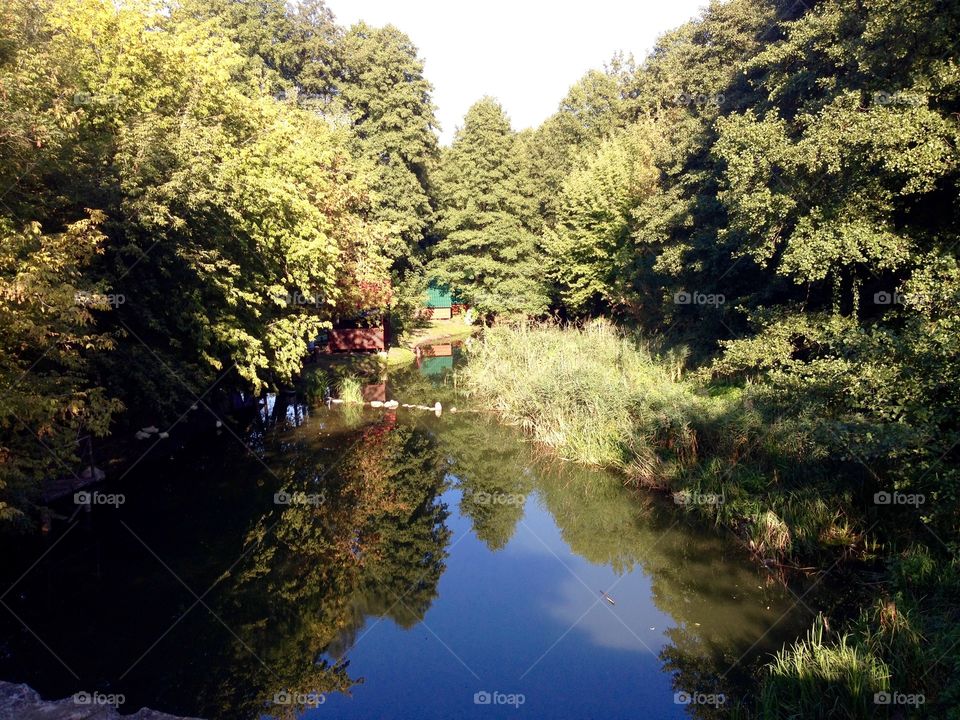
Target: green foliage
x=168, y=224
x=593, y=109
x=589, y=393
x=590, y=242
x=47, y=310
x=804, y=166
x=488, y=254
x=822, y=678
x=349, y=389
x=388, y=101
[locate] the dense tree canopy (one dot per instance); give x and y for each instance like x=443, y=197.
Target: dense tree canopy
x=388, y=100
x=167, y=222
x=488, y=253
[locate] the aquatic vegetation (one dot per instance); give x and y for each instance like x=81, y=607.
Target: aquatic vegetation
x=822, y=676
x=350, y=389
x=588, y=392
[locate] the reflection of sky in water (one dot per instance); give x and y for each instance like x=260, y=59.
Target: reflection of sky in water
x=577, y=600
x=516, y=621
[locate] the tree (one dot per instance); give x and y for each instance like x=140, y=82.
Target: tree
x=47, y=312
x=487, y=254
x=594, y=108
x=591, y=242
x=383, y=90
x=141, y=161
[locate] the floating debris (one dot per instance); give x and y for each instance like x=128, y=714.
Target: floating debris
x=151, y=430
x=376, y=403
x=163, y=435
x=391, y=404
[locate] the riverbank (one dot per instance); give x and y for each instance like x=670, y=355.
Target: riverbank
x=439, y=330
x=21, y=702
x=736, y=457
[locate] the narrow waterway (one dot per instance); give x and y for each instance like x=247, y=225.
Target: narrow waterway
x=332, y=560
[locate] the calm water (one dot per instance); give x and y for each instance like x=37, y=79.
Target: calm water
x=412, y=566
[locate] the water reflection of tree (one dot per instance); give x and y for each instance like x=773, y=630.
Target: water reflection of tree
x=483, y=457
x=351, y=543
x=403, y=545
x=708, y=588
x=377, y=547
x=698, y=578
x=493, y=472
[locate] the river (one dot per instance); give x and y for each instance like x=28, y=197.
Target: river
x=335, y=561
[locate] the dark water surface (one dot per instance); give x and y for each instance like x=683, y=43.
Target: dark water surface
x=412, y=566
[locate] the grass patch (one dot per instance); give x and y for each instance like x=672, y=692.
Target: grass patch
x=435, y=330
x=400, y=357
x=589, y=393
x=821, y=677
x=349, y=389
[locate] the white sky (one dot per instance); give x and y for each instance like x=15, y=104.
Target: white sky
x=525, y=53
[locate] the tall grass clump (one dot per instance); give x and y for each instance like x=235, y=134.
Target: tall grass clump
x=349, y=389
x=593, y=395
x=822, y=676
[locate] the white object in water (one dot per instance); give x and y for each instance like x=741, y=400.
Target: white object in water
x=151, y=430
x=336, y=401
x=376, y=403
x=219, y=424
x=437, y=408
x=391, y=404
x=141, y=435
x=163, y=435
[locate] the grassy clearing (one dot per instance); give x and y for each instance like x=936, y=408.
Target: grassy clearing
x=400, y=357
x=436, y=330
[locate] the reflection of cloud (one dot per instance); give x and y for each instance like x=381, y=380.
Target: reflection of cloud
x=600, y=624
x=538, y=534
